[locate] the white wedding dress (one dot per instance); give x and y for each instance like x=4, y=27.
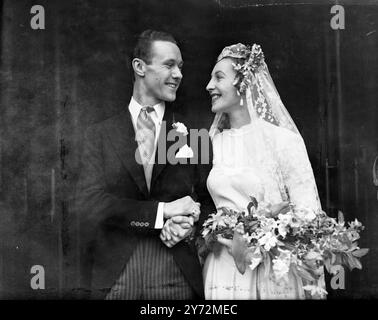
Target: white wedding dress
x=238, y=172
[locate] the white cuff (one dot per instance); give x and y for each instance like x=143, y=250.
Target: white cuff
x=159, y=222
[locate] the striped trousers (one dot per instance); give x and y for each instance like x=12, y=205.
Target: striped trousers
x=151, y=274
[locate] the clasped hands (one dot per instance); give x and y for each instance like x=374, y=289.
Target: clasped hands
x=180, y=215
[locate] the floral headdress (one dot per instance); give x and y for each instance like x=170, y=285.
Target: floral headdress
x=253, y=60
x=250, y=61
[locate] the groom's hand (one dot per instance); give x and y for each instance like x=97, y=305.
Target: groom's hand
x=184, y=206
x=176, y=229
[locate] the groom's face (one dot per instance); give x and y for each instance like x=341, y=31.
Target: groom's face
x=163, y=73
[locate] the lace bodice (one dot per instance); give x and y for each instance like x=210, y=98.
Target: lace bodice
x=240, y=170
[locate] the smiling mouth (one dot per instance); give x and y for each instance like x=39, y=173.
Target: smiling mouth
x=214, y=97
x=173, y=85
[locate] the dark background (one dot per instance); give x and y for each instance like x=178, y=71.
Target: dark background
x=57, y=81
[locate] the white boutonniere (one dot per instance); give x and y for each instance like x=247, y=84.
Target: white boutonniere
x=180, y=128
x=185, y=152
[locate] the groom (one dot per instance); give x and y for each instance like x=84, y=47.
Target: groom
x=136, y=214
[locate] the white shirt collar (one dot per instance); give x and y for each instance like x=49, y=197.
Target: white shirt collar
x=135, y=107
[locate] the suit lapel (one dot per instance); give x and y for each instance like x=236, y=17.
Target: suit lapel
x=122, y=137
x=163, y=145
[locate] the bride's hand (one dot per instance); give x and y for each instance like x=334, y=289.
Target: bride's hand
x=237, y=247
x=279, y=208
x=176, y=229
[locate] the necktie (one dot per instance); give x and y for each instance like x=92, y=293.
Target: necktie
x=146, y=139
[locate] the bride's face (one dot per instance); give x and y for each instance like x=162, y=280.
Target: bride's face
x=224, y=97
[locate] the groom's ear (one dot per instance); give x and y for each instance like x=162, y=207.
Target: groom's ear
x=139, y=66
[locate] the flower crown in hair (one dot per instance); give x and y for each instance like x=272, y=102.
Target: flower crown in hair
x=253, y=59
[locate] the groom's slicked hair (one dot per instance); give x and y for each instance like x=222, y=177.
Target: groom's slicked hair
x=142, y=49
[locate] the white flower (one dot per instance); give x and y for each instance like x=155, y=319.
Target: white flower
x=284, y=219
x=205, y=232
x=353, y=235
x=268, y=224
x=268, y=240
x=256, y=258
x=231, y=221
x=216, y=219
x=315, y=290
x=282, y=230
x=355, y=224
x=185, y=152
x=313, y=255
x=180, y=128
x=247, y=237
x=305, y=214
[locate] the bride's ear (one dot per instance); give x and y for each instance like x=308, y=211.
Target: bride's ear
x=139, y=66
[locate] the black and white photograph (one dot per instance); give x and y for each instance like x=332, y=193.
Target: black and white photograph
x=207, y=151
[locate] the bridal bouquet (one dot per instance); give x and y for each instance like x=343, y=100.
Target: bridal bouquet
x=299, y=240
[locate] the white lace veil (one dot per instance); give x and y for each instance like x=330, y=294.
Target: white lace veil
x=256, y=88
x=263, y=100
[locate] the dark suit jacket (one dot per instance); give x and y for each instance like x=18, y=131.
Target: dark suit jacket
x=115, y=208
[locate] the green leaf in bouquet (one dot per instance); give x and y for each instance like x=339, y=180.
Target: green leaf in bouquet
x=354, y=247
x=267, y=264
x=343, y=259
x=352, y=262
x=360, y=252
x=250, y=226
x=274, y=252
x=280, y=243
x=289, y=246
x=305, y=274
x=210, y=239
x=313, y=255
x=327, y=264
x=226, y=210
x=333, y=258
x=253, y=203
x=337, y=258
x=239, y=250
x=311, y=266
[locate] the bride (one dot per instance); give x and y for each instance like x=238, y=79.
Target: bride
x=258, y=152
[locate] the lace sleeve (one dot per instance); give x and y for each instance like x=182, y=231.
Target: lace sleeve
x=297, y=172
